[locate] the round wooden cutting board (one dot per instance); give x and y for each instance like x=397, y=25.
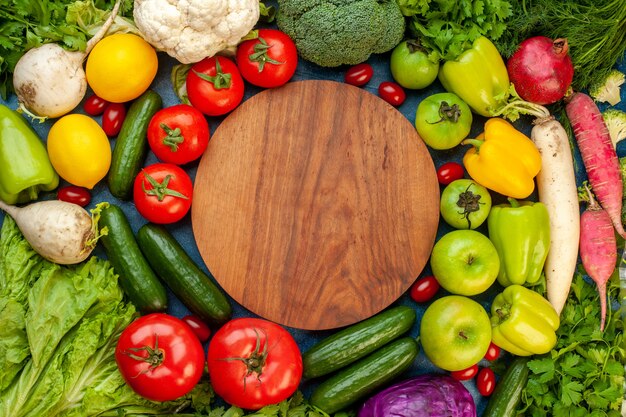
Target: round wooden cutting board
x=315, y=205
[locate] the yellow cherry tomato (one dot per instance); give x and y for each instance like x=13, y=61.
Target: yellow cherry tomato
x=79, y=150
x=121, y=67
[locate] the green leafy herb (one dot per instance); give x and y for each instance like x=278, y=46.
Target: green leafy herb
x=446, y=28
x=584, y=374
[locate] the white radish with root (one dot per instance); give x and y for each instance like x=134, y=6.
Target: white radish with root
x=50, y=81
x=61, y=232
x=556, y=187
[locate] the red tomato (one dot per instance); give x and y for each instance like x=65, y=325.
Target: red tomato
x=214, y=86
x=74, y=194
x=424, y=289
x=112, y=118
x=465, y=374
x=253, y=362
x=359, y=74
x=178, y=134
x=200, y=329
x=94, y=105
x=392, y=93
x=268, y=61
x=493, y=352
x=159, y=357
x=485, y=381
x=448, y=172
x=162, y=193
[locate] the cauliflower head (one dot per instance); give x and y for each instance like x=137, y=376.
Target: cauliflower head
x=191, y=30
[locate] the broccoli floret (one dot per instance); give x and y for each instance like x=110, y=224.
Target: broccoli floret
x=608, y=89
x=615, y=121
x=331, y=33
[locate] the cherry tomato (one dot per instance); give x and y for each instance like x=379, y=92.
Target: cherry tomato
x=424, y=289
x=465, y=374
x=448, y=172
x=485, y=382
x=162, y=193
x=269, y=60
x=392, y=93
x=178, y=134
x=159, y=357
x=214, y=86
x=74, y=194
x=493, y=352
x=94, y=105
x=359, y=74
x=253, y=362
x=200, y=329
x=112, y=118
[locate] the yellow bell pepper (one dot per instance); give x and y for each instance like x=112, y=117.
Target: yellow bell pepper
x=503, y=159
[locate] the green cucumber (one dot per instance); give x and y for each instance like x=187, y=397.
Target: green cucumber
x=365, y=376
x=356, y=341
x=131, y=145
x=507, y=395
x=192, y=286
x=137, y=279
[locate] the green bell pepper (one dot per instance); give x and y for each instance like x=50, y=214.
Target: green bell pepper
x=479, y=77
x=523, y=322
x=520, y=231
x=25, y=168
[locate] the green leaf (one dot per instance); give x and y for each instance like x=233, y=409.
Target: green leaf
x=571, y=391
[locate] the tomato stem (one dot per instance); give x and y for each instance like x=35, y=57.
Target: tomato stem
x=155, y=355
x=219, y=80
x=159, y=189
x=448, y=113
x=260, y=54
x=255, y=361
x=173, y=138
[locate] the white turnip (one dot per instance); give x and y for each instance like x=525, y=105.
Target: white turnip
x=61, y=232
x=556, y=186
x=541, y=69
x=50, y=81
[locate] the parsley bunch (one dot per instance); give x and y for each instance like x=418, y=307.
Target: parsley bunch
x=446, y=28
x=584, y=374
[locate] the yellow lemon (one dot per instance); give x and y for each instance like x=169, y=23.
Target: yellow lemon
x=121, y=67
x=79, y=150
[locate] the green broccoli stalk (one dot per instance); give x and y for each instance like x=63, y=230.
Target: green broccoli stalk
x=331, y=33
x=608, y=88
x=615, y=121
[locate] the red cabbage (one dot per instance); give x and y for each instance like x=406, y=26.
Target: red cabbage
x=427, y=395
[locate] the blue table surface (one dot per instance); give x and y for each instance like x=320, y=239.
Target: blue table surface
x=182, y=230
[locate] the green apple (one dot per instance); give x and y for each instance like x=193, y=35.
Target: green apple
x=455, y=332
x=465, y=262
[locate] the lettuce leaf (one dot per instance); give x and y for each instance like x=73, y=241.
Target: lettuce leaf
x=59, y=329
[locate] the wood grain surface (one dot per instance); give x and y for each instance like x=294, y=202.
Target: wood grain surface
x=315, y=205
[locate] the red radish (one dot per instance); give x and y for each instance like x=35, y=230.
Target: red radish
x=598, y=154
x=541, y=69
x=598, y=248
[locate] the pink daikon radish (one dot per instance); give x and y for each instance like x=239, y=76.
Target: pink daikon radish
x=556, y=187
x=598, y=248
x=598, y=155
